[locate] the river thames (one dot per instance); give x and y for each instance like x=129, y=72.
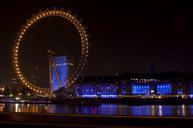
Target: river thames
x=103, y=109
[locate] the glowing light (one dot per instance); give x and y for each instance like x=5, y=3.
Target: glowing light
x=17, y=98
x=164, y=88
x=109, y=96
x=36, y=18
x=89, y=96
x=140, y=89
x=183, y=96
x=2, y=88
x=152, y=91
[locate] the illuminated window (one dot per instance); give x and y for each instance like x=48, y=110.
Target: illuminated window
x=164, y=88
x=87, y=90
x=108, y=91
x=179, y=90
x=124, y=88
x=140, y=89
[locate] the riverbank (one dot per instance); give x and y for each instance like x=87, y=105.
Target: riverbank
x=99, y=101
x=70, y=120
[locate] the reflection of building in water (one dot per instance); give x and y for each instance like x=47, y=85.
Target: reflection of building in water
x=104, y=109
x=34, y=108
x=2, y=106
x=61, y=68
x=160, y=110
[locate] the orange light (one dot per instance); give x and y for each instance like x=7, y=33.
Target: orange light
x=36, y=18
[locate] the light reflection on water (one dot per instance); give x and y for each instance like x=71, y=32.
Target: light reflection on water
x=104, y=109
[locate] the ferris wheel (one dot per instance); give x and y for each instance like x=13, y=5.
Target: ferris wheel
x=35, y=18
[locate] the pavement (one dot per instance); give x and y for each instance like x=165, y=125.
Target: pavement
x=34, y=120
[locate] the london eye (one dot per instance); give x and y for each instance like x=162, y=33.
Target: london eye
x=35, y=18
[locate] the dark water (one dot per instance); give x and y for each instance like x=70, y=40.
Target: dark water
x=104, y=109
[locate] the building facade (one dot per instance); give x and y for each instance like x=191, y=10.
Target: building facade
x=59, y=72
x=171, y=84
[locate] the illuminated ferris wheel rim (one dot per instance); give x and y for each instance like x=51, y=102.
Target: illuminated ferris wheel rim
x=28, y=25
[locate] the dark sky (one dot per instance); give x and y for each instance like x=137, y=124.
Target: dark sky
x=123, y=36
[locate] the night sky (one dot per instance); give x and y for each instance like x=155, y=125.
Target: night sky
x=123, y=36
